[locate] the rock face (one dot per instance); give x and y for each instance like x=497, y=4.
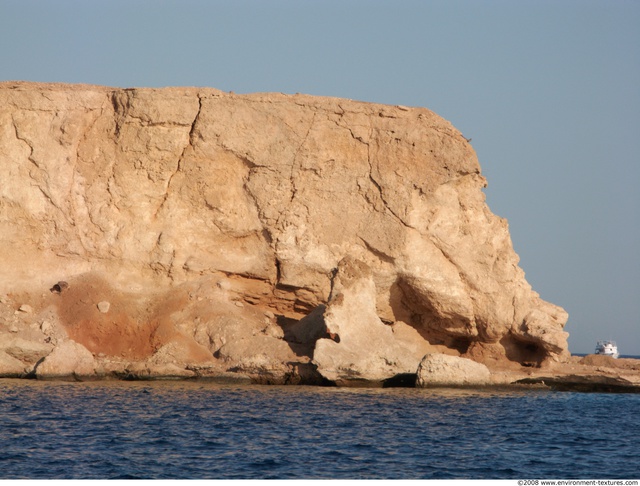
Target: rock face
x=360, y=346
x=216, y=223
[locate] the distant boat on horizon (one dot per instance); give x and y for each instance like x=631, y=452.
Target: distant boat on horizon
x=607, y=348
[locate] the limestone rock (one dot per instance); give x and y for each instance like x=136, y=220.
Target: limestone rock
x=10, y=367
x=357, y=345
x=104, y=306
x=132, y=195
x=169, y=370
x=23, y=349
x=157, y=371
x=600, y=360
x=444, y=370
x=181, y=354
x=264, y=358
x=69, y=359
x=46, y=328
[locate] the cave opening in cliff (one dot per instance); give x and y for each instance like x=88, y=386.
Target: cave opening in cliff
x=525, y=353
x=401, y=380
x=461, y=344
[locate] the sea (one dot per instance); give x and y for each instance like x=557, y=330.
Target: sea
x=204, y=430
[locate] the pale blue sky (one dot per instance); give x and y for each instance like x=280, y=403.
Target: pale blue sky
x=548, y=90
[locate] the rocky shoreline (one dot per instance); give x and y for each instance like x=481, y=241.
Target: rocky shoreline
x=34, y=345
x=189, y=233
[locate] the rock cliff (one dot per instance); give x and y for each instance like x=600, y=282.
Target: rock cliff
x=285, y=238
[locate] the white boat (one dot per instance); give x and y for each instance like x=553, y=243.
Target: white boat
x=608, y=348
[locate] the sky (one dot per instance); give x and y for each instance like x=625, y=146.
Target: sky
x=549, y=92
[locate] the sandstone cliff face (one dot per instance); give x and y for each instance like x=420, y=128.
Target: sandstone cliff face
x=213, y=223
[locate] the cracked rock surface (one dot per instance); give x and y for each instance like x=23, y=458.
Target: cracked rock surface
x=213, y=223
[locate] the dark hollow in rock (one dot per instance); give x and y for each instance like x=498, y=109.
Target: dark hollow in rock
x=60, y=287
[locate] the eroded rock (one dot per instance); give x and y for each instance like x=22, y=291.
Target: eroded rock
x=357, y=346
x=68, y=360
x=24, y=350
x=194, y=212
x=11, y=367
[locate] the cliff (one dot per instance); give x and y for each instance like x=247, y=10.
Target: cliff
x=283, y=238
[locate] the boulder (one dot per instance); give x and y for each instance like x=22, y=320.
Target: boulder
x=11, y=367
x=265, y=359
x=444, y=370
x=24, y=350
x=103, y=306
x=68, y=359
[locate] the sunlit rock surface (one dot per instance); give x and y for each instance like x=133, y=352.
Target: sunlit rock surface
x=212, y=223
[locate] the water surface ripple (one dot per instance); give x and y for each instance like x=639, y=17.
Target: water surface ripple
x=166, y=430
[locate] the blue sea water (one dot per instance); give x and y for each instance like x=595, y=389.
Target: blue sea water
x=165, y=430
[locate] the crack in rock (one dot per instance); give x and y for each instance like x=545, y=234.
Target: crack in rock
x=189, y=144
